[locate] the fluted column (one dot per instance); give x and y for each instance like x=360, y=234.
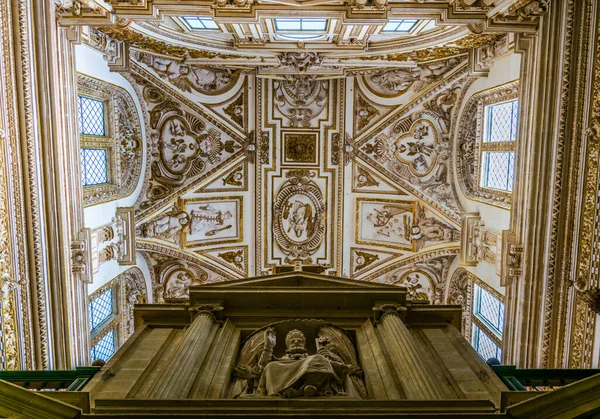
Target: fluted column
x=180, y=372
x=406, y=356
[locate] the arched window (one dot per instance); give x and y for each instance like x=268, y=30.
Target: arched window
x=486, y=143
x=110, y=139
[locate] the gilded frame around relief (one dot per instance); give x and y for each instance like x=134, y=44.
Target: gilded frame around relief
x=238, y=217
x=400, y=203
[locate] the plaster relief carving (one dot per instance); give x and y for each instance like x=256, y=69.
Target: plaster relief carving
x=301, y=100
x=182, y=145
x=214, y=220
x=168, y=227
x=385, y=222
x=425, y=280
x=300, y=61
x=188, y=77
x=298, y=216
x=459, y=293
x=298, y=358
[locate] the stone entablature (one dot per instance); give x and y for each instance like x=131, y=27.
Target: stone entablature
x=296, y=337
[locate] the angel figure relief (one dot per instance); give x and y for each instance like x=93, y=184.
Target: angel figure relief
x=331, y=371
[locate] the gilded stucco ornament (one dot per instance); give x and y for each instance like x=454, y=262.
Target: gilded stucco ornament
x=300, y=61
x=298, y=216
x=301, y=99
x=188, y=77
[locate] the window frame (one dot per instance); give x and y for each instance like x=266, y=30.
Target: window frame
x=108, y=165
x=400, y=22
x=105, y=142
x=470, y=138
x=486, y=147
x=185, y=21
x=479, y=320
x=312, y=32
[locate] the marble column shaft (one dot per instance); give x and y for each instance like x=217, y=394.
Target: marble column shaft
x=407, y=360
x=179, y=375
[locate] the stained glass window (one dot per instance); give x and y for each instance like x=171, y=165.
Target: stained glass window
x=200, y=23
x=497, y=170
x=91, y=116
x=301, y=25
x=484, y=345
x=101, y=308
x=94, y=167
x=399, y=25
x=501, y=121
x=105, y=348
x=488, y=309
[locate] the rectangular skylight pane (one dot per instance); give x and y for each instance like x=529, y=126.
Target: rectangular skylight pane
x=314, y=25
x=200, y=22
x=390, y=26
x=210, y=24
x=406, y=26
x=288, y=24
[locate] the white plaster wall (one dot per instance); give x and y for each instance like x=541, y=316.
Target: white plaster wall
x=503, y=70
x=91, y=63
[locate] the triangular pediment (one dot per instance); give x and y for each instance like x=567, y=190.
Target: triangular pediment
x=297, y=280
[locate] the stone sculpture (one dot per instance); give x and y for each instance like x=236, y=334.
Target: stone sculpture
x=331, y=371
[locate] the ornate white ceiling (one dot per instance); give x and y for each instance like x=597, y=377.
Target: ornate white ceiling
x=330, y=155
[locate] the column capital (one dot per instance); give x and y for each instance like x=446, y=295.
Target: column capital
x=214, y=309
x=383, y=308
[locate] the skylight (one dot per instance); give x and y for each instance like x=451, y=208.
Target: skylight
x=301, y=25
x=200, y=23
x=400, y=25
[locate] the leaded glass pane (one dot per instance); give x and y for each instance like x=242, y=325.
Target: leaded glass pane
x=94, y=168
x=484, y=345
x=105, y=348
x=497, y=170
x=101, y=308
x=91, y=116
x=489, y=309
x=502, y=121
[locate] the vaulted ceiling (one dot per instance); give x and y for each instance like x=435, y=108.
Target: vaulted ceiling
x=332, y=151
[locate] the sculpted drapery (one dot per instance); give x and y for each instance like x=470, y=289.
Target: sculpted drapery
x=331, y=371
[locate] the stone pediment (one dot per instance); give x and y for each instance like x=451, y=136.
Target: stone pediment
x=298, y=280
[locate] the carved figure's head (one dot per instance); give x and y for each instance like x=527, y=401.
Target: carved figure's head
x=295, y=342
